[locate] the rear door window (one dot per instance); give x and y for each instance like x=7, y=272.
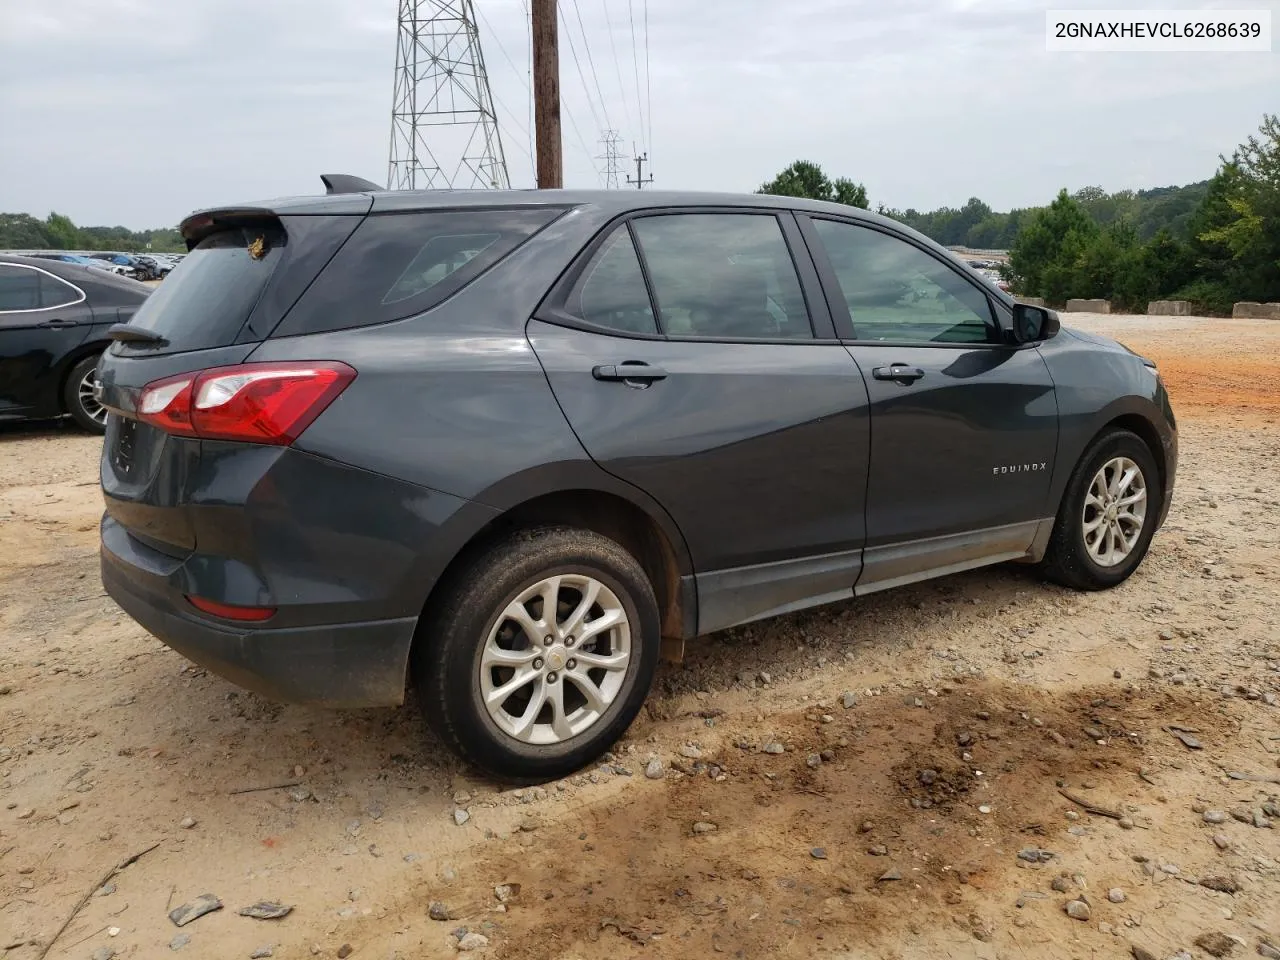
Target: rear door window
x=207, y=301
x=611, y=292
x=19, y=288
x=57, y=293
x=397, y=265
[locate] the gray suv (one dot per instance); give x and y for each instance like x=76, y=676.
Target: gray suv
x=505, y=445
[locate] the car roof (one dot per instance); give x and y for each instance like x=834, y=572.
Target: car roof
x=85, y=277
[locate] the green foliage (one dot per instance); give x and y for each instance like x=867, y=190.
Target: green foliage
x=21, y=231
x=806, y=179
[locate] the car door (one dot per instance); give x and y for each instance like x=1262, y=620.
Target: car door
x=42, y=317
x=964, y=424
x=694, y=357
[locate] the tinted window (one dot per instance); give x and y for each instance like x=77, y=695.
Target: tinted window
x=612, y=292
x=206, y=301
x=398, y=264
x=896, y=291
x=19, y=288
x=55, y=293
x=723, y=275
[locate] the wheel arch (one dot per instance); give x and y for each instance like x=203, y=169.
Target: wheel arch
x=643, y=529
x=68, y=363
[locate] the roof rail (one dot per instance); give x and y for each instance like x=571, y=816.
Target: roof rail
x=345, y=183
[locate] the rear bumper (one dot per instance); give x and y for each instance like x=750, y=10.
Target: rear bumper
x=342, y=665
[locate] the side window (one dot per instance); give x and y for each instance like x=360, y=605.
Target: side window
x=55, y=293
x=396, y=265
x=896, y=291
x=19, y=288
x=723, y=276
x=612, y=292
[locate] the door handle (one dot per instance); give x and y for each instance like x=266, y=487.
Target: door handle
x=898, y=372
x=632, y=370
x=58, y=324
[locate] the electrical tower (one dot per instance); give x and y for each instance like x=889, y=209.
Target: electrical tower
x=612, y=159
x=444, y=133
x=640, y=179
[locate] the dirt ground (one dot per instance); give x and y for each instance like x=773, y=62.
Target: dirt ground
x=918, y=808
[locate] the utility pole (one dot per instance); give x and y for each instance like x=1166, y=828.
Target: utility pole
x=640, y=180
x=546, y=95
x=612, y=159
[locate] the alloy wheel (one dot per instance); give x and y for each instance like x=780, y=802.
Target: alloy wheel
x=86, y=395
x=1115, y=511
x=554, y=661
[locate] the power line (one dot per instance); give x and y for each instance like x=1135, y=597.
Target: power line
x=586, y=45
x=519, y=76
x=578, y=65
x=635, y=63
x=617, y=64
x=528, y=35
x=648, y=83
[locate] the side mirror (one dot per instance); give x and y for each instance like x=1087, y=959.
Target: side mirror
x=1031, y=324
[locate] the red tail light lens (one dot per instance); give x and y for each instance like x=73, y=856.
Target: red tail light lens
x=228, y=612
x=253, y=402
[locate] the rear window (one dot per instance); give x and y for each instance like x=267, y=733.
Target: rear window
x=399, y=264
x=204, y=302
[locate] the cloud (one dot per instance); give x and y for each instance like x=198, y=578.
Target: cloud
x=137, y=111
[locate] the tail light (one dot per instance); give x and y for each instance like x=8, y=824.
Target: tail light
x=253, y=402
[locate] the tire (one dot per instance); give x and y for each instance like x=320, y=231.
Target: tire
x=1081, y=558
x=84, y=410
x=453, y=665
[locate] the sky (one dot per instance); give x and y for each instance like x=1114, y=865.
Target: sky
x=136, y=112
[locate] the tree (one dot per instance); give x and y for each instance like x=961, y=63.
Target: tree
x=806, y=179
x=63, y=234
x=1045, y=257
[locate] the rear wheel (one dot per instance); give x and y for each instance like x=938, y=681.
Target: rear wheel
x=540, y=655
x=78, y=396
x=1108, y=515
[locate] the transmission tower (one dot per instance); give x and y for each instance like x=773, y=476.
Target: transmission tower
x=444, y=133
x=612, y=159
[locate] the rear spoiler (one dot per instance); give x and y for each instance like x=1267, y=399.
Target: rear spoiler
x=346, y=183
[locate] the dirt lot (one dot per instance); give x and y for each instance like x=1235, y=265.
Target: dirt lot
x=918, y=808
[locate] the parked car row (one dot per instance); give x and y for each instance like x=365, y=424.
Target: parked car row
x=990, y=269
x=55, y=317
x=149, y=266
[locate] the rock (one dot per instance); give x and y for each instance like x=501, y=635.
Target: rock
x=506, y=892
x=774, y=748
x=106, y=953
x=1125, y=823
x=1266, y=949
x=180, y=941
x=891, y=874
x=186, y=823
x=1035, y=855
x=1260, y=819
x=267, y=910
x=1138, y=953
x=818, y=853
x=197, y=908
x=866, y=827
x=703, y=827
x=928, y=777
x=1215, y=816
x=1171, y=869
x=1095, y=733
x=299, y=794
x=984, y=808
x=1222, y=841
x=473, y=941
x=1244, y=816
x=964, y=739
x=654, y=769
x=529, y=824
x=1271, y=808
x=813, y=761
x=344, y=951
x=690, y=752
x=1221, y=883
x=106, y=890
x=1077, y=910
x=765, y=677
x=461, y=798
x=879, y=850
x=827, y=756
x=1215, y=944
x=1116, y=895
x=438, y=911
x=262, y=953
x=1060, y=884
x=460, y=816
x=848, y=699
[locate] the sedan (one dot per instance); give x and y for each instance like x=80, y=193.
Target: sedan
x=54, y=318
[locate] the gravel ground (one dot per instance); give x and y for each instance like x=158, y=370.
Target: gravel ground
x=981, y=766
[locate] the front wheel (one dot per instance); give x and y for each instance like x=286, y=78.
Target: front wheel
x=79, y=396
x=540, y=654
x=1108, y=514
